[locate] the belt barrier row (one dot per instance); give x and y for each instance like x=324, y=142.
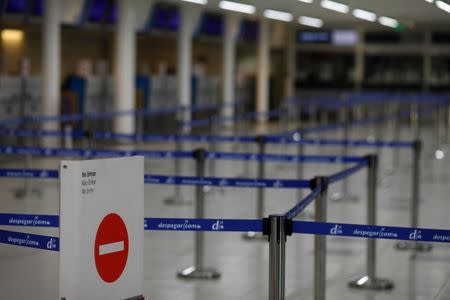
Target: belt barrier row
x=233, y=225
x=175, y=180
x=208, y=138
x=58, y=152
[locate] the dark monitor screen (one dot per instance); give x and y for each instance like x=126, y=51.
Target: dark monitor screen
x=382, y=37
x=37, y=9
x=211, y=24
x=97, y=10
x=249, y=30
x=440, y=37
x=166, y=17
x=112, y=13
x=16, y=6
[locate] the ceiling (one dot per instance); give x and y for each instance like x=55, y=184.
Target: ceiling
x=416, y=14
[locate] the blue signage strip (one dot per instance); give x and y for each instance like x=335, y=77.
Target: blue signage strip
x=29, y=220
x=29, y=173
x=29, y=240
x=372, y=231
x=57, y=152
x=218, y=225
x=234, y=182
x=176, y=180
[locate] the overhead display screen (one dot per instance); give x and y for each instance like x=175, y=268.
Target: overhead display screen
x=335, y=37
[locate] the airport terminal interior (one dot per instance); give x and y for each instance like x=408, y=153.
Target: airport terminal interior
x=290, y=149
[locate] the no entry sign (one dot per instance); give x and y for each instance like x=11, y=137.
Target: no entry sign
x=111, y=248
x=101, y=229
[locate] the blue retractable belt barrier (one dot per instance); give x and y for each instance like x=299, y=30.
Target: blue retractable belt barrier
x=176, y=180
x=346, y=173
x=39, y=133
x=29, y=220
x=231, y=182
x=29, y=173
x=226, y=225
x=299, y=207
x=57, y=152
x=335, y=142
x=286, y=138
x=372, y=231
x=255, y=225
x=29, y=240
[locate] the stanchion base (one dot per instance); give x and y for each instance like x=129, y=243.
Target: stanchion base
x=344, y=198
x=368, y=283
x=413, y=246
x=176, y=201
x=254, y=236
x=194, y=273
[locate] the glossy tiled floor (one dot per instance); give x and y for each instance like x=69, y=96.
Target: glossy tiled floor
x=33, y=274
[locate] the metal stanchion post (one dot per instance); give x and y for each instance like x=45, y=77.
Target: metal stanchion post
x=68, y=136
x=177, y=198
x=320, y=242
x=139, y=125
x=300, y=150
x=212, y=162
x=415, y=202
x=396, y=152
x=198, y=270
x=370, y=280
x=285, y=127
x=300, y=172
x=261, y=140
x=277, y=228
x=345, y=195
x=88, y=140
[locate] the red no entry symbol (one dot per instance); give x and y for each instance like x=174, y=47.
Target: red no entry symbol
x=111, y=248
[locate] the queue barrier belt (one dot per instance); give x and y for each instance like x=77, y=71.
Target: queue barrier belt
x=57, y=152
x=235, y=225
x=176, y=180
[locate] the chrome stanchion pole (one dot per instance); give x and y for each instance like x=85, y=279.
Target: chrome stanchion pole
x=370, y=280
x=261, y=140
x=397, y=120
x=345, y=195
x=300, y=151
x=139, y=125
x=285, y=127
x=68, y=136
x=276, y=227
x=213, y=148
x=198, y=270
x=300, y=171
x=320, y=242
x=177, y=198
x=414, y=207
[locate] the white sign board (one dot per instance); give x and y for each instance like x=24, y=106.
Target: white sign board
x=101, y=229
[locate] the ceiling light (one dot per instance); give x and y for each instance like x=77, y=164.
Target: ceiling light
x=306, y=1
x=444, y=6
x=201, y=2
x=309, y=21
x=365, y=15
x=429, y=1
x=278, y=15
x=238, y=7
x=12, y=35
x=336, y=6
x=386, y=21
